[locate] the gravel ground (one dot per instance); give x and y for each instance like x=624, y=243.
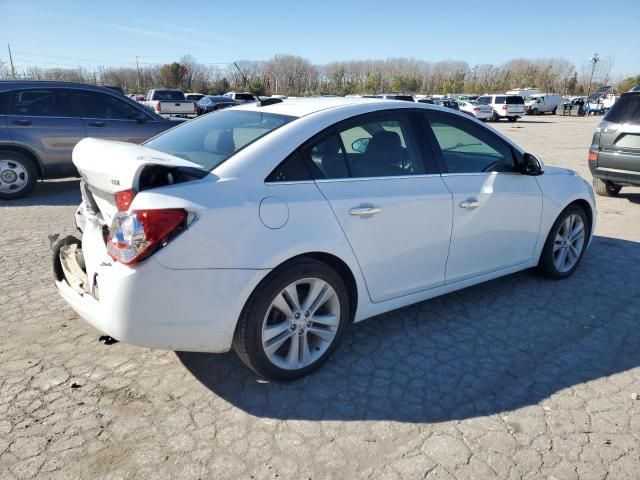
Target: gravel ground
x=521, y=377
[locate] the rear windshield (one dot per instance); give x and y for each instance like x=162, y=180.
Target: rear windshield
x=168, y=95
x=407, y=98
x=625, y=110
x=194, y=96
x=244, y=96
x=212, y=139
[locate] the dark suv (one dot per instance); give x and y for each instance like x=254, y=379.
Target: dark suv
x=41, y=122
x=614, y=155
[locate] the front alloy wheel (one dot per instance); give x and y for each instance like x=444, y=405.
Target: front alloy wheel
x=566, y=243
x=293, y=321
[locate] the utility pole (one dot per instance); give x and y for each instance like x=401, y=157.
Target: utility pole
x=138, y=69
x=277, y=73
x=13, y=70
x=594, y=61
x=244, y=78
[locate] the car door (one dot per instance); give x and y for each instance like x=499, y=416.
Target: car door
x=393, y=207
x=39, y=119
x=107, y=116
x=496, y=210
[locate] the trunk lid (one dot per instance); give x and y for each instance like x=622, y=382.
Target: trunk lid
x=107, y=167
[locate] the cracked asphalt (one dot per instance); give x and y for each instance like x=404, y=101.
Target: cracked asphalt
x=518, y=378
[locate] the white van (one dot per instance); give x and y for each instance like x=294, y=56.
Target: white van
x=543, y=103
x=510, y=107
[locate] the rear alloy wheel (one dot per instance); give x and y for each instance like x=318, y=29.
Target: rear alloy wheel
x=17, y=175
x=605, y=188
x=293, y=321
x=565, y=244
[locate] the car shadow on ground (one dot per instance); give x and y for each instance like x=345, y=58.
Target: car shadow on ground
x=53, y=192
x=631, y=197
x=491, y=348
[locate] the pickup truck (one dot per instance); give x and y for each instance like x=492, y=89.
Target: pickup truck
x=169, y=102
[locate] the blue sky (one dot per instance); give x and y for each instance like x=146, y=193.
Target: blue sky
x=87, y=33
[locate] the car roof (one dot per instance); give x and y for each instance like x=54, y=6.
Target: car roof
x=7, y=85
x=300, y=107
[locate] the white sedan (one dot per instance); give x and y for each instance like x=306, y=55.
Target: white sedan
x=270, y=227
x=478, y=110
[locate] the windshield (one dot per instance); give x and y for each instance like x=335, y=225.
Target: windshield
x=212, y=139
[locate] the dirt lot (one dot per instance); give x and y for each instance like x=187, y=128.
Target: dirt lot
x=519, y=378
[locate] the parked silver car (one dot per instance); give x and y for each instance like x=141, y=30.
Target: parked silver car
x=41, y=122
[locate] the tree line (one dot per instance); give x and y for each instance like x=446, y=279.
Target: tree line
x=293, y=75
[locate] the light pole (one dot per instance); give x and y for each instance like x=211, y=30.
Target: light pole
x=594, y=61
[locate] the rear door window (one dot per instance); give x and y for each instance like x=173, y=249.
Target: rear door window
x=500, y=99
x=484, y=100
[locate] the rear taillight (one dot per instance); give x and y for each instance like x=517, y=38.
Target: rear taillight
x=124, y=198
x=476, y=109
x=593, y=155
x=134, y=235
x=158, y=107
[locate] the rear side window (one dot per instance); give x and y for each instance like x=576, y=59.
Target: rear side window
x=500, y=99
x=292, y=169
x=625, y=110
x=515, y=100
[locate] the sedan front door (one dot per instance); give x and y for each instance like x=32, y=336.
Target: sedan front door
x=496, y=210
x=394, y=210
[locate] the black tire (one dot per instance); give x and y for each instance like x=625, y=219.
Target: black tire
x=247, y=341
x=555, y=109
x=605, y=188
x=513, y=119
x=546, y=264
x=30, y=173
x=495, y=117
x=535, y=111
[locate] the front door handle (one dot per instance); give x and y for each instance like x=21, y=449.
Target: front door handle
x=362, y=211
x=97, y=124
x=470, y=203
x=24, y=123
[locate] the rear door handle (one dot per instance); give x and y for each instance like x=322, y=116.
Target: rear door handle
x=470, y=203
x=97, y=124
x=361, y=211
x=24, y=123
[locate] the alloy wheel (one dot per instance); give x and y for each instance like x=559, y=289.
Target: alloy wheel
x=301, y=323
x=569, y=243
x=13, y=176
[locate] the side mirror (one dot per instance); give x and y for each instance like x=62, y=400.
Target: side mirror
x=360, y=145
x=531, y=165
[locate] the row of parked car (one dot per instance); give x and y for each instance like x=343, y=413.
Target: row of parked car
x=169, y=102
x=42, y=121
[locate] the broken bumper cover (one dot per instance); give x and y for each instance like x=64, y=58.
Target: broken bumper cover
x=157, y=307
